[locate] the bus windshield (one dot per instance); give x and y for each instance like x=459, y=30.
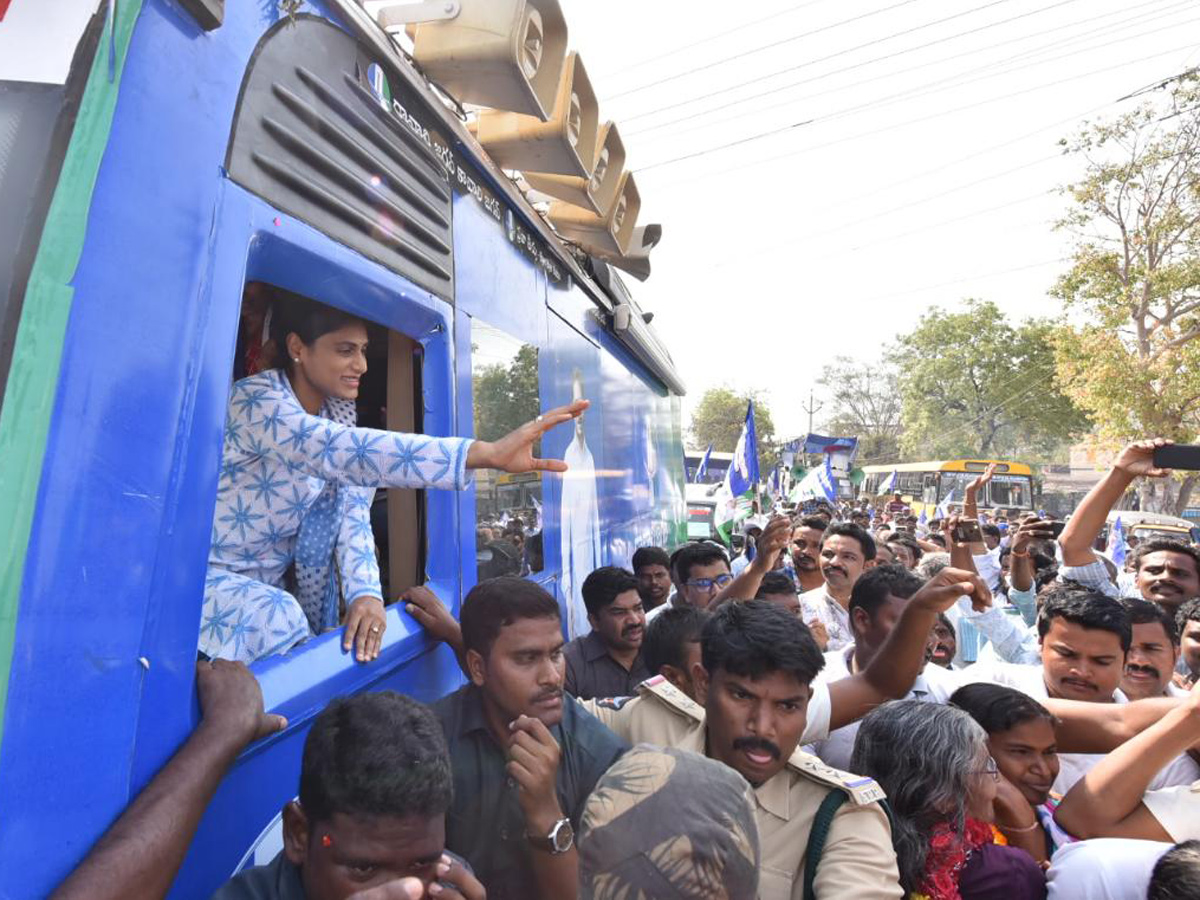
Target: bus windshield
x=1010, y=490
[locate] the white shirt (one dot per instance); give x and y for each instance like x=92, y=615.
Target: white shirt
x=818, y=604
x=1177, y=809
x=1103, y=869
x=934, y=684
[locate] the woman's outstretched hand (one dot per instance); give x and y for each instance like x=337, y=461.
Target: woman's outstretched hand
x=514, y=452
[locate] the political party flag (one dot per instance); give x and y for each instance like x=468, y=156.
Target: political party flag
x=818, y=484
x=703, y=468
x=735, y=498
x=773, y=484
x=889, y=484
x=1117, y=548
x=923, y=518
x=743, y=470
x=943, y=508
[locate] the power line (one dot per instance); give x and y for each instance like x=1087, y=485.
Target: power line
x=722, y=35
x=699, y=153
x=780, y=43
x=1175, y=8
x=925, y=90
x=812, y=62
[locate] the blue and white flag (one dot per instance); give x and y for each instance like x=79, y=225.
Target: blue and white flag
x=943, y=508
x=819, y=484
x=889, y=484
x=703, y=469
x=1117, y=548
x=773, y=485
x=923, y=518
x=743, y=470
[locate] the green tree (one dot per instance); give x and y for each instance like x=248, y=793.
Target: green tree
x=506, y=396
x=865, y=404
x=1129, y=356
x=718, y=419
x=973, y=384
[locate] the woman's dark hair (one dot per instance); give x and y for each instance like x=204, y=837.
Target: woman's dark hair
x=375, y=754
x=497, y=603
x=1086, y=608
x=668, y=633
x=307, y=319
x=998, y=708
x=755, y=637
x=923, y=756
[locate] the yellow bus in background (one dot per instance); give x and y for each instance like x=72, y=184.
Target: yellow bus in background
x=926, y=484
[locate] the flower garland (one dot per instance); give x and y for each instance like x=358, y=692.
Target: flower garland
x=948, y=853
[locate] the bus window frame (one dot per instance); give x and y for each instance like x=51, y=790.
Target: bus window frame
x=294, y=257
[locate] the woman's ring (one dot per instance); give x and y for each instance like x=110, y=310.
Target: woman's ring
x=374, y=628
x=539, y=418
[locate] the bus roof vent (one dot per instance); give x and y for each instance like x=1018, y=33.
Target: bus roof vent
x=316, y=140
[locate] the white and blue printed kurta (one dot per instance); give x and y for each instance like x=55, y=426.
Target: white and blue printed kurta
x=279, y=465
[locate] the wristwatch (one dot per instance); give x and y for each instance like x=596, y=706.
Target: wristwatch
x=560, y=839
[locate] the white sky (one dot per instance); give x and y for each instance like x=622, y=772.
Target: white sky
x=831, y=238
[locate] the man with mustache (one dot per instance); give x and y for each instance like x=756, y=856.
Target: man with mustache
x=846, y=551
x=524, y=756
x=1153, y=654
x=1165, y=571
x=754, y=704
x=1084, y=637
x=806, y=552
x=607, y=662
x=652, y=567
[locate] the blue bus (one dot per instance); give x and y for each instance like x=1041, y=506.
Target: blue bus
x=192, y=158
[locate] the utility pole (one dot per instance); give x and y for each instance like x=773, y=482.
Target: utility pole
x=813, y=407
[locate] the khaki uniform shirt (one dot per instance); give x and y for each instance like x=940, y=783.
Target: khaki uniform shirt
x=858, y=862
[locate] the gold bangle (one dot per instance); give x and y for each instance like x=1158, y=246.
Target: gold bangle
x=1020, y=829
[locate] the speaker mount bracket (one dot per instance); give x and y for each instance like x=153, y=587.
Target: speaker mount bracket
x=393, y=15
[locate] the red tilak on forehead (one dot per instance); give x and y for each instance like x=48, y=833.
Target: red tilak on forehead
x=326, y=841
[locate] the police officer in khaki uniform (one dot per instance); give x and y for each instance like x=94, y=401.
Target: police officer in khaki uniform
x=754, y=707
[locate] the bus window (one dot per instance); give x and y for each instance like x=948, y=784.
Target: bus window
x=267, y=516
x=508, y=508
x=954, y=485
x=1010, y=491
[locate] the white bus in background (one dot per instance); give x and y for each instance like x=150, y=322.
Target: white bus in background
x=700, y=497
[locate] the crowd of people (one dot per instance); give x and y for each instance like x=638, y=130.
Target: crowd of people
x=860, y=706
x=863, y=703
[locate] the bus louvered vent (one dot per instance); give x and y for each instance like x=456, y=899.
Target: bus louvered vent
x=314, y=143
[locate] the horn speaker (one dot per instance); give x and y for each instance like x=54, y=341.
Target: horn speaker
x=503, y=54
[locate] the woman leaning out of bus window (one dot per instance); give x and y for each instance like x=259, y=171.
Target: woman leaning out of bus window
x=295, y=490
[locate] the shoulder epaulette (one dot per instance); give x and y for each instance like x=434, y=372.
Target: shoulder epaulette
x=859, y=789
x=662, y=690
